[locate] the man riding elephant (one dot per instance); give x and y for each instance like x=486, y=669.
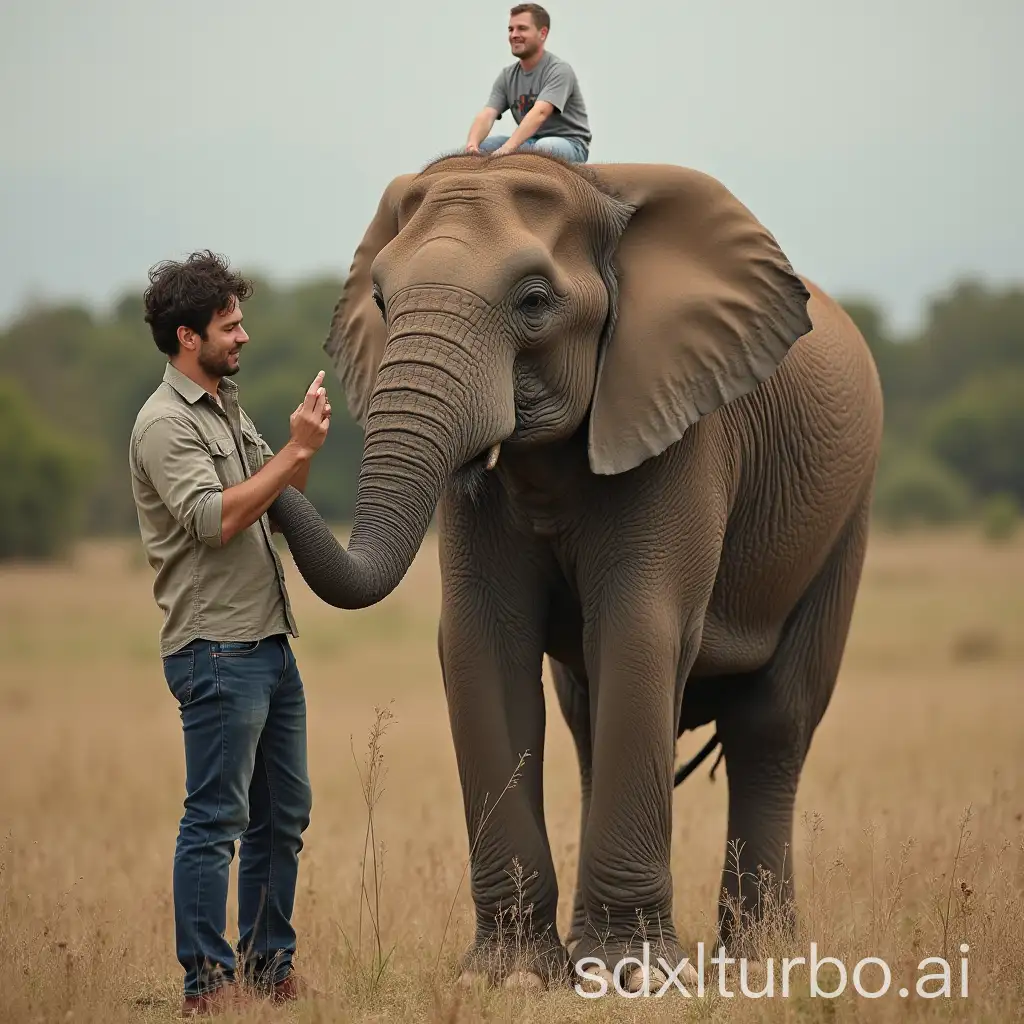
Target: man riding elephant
x=542, y=93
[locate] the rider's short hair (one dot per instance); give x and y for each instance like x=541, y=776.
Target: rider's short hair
x=541, y=18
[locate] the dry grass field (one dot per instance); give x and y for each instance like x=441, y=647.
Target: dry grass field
x=910, y=835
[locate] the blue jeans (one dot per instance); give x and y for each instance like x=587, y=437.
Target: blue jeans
x=567, y=149
x=243, y=712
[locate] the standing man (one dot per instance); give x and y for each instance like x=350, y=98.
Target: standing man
x=203, y=479
x=541, y=91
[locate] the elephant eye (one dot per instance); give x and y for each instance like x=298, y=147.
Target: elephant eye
x=379, y=300
x=534, y=300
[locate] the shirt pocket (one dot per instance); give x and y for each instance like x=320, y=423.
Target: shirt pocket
x=225, y=460
x=253, y=448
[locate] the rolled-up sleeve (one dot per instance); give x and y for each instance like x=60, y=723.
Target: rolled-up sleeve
x=176, y=461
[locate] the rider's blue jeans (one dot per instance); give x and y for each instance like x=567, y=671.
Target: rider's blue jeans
x=243, y=712
x=567, y=149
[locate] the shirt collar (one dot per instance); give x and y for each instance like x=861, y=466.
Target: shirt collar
x=190, y=390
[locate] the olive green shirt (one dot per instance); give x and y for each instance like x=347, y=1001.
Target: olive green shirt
x=186, y=449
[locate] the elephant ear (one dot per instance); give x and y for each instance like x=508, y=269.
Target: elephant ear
x=355, y=342
x=708, y=306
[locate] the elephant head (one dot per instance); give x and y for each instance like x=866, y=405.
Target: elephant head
x=511, y=301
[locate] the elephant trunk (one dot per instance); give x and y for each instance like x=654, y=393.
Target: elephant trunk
x=415, y=437
x=389, y=525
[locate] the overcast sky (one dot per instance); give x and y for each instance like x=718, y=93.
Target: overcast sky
x=881, y=141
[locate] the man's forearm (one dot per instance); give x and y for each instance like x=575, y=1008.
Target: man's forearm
x=527, y=128
x=243, y=504
x=482, y=124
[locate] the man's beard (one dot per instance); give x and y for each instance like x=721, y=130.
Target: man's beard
x=216, y=366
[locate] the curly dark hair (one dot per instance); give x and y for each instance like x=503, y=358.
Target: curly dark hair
x=188, y=294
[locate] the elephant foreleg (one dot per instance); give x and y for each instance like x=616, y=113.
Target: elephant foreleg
x=636, y=667
x=492, y=646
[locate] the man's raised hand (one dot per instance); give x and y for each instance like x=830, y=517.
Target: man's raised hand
x=310, y=421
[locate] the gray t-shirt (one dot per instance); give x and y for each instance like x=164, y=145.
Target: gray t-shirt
x=552, y=80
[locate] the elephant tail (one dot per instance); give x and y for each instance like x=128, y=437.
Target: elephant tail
x=686, y=770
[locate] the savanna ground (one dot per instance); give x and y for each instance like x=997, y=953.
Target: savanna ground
x=909, y=842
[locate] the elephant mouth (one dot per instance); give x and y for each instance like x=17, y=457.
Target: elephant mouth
x=483, y=462
x=470, y=479
x=486, y=460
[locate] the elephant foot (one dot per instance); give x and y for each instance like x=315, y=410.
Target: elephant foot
x=578, y=927
x=533, y=965
x=524, y=980
x=655, y=968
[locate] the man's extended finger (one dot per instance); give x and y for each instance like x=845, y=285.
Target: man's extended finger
x=314, y=388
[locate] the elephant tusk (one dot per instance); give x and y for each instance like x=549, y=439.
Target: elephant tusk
x=492, y=456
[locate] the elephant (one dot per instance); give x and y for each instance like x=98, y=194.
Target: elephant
x=651, y=447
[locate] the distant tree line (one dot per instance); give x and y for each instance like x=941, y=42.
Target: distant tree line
x=954, y=405
x=72, y=381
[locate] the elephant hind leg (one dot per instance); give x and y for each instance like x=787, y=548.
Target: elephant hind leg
x=766, y=729
x=573, y=694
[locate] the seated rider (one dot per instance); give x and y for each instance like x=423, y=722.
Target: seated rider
x=542, y=92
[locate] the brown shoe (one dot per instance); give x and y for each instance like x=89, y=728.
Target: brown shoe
x=291, y=987
x=224, y=999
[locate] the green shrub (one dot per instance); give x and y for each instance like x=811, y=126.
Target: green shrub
x=1000, y=517
x=45, y=477
x=913, y=488
x=979, y=433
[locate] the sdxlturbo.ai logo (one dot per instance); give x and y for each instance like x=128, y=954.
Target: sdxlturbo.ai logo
x=871, y=977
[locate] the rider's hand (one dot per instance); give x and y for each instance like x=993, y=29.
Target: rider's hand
x=310, y=421
x=472, y=147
